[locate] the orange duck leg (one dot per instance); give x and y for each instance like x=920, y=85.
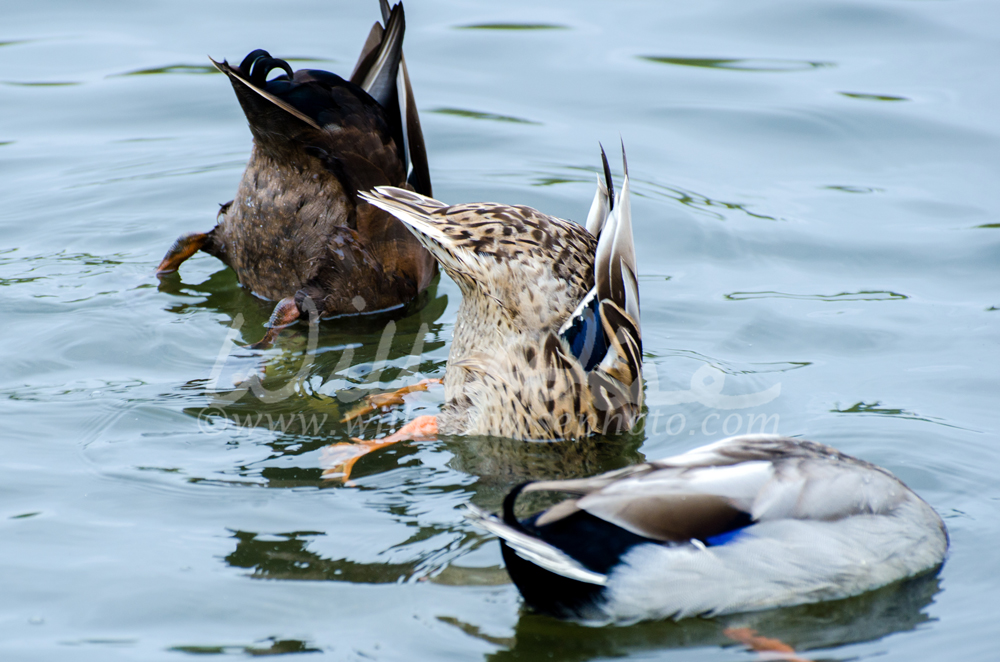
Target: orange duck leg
x=380, y=400
x=770, y=649
x=338, y=460
x=185, y=246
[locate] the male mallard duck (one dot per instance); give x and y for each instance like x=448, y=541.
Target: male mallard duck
x=297, y=231
x=547, y=342
x=746, y=523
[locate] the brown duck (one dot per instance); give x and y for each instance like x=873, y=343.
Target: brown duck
x=297, y=231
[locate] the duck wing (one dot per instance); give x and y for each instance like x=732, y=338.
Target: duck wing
x=700, y=494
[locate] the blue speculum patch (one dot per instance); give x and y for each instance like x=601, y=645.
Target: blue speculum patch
x=724, y=538
x=586, y=336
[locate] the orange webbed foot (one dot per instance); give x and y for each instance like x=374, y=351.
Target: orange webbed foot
x=771, y=649
x=380, y=400
x=185, y=246
x=338, y=460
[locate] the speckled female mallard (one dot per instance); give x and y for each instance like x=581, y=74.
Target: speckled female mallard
x=297, y=230
x=744, y=524
x=547, y=342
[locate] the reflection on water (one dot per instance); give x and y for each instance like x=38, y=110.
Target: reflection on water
x=54, y=271
x=512, y=26
x=863, y=295
x=869, y=617
x=701, y=203
x=477, y=115
x=572, y=174
x=174, y=69
x=220, y=293
x=873, y=97
x=200, y=69
x=19, y=83
x=855, y=189
x=738, y=64
x=432, y=550
x=878, y=410
x=270, y=646
x=505, y=462
x=292, y=398
x=285, y=556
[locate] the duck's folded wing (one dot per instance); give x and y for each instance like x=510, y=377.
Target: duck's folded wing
x=704, y=493
x=808, y=480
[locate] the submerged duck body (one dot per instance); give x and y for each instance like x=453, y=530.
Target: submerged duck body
x=744, y=524
x=297, y=228
x=547, y=340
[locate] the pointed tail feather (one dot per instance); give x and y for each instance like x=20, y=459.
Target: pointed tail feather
x=267, y=114
x=415, y=153
x=604, y=199
x=380, y=78
x=368, y=54
x=535, y=551
x=418, y=172
x=607, y=320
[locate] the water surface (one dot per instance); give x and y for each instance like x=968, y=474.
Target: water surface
x=814, y=211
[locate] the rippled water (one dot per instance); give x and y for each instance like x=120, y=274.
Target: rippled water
x=814, y=195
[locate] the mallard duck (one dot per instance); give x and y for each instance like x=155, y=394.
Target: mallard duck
x=297, y=231
x=547, y=343
x=743, y=524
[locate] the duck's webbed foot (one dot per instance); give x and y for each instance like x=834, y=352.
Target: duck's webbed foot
x=338, y=460
x=773, y=649
x=286, y=312
x=185, y=246
x=379, y=400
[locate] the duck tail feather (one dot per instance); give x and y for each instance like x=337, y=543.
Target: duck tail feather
x=376, y=71
x=252, y=97
x=624, y=282
x=604, y=199
x=414, y=150
x=369, y=51
x=418, y=172
x=534, y=550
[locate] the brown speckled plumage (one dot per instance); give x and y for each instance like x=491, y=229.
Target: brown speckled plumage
x=511, y=370
x=296, y=227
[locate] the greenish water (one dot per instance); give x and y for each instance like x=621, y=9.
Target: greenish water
x=814, y=212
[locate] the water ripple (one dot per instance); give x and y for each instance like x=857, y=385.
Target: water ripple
x=739, y=64
x=478, y=115
x=512, y=26
x=863, y=295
